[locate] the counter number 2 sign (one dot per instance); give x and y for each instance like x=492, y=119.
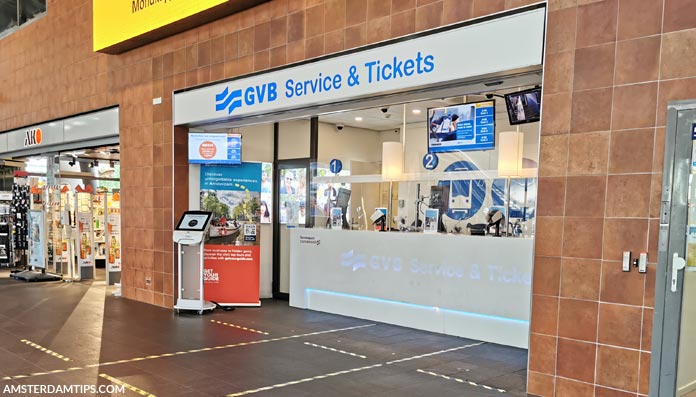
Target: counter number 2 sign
x=430, y=161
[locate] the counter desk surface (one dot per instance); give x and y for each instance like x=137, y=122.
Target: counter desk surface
x=469, y=286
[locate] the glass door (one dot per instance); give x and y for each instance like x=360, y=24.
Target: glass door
x=291, y=199
x=673, y=368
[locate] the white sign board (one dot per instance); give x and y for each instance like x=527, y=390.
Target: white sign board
x=475, y=287
x=506, y=43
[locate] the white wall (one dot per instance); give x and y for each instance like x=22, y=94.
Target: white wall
x=350, y=144
x=293, y=139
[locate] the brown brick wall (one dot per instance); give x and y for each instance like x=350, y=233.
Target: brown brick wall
x=611, y=67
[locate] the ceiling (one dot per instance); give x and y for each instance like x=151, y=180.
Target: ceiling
x=391, y=117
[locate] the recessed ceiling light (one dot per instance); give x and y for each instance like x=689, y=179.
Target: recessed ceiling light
x=416, y=111
x=358, y=118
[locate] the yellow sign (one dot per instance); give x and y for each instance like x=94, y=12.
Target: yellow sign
x=116, y=21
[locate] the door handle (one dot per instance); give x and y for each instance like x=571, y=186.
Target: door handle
x=677, y=265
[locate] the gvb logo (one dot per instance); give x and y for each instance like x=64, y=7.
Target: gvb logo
x=33, y=137
x=352, y=260
x=250, y=96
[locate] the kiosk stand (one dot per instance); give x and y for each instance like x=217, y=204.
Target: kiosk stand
x=189, y=235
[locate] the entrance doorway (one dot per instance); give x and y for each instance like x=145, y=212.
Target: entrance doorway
x=674, y=346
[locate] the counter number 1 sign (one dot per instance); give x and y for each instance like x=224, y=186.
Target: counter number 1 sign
x=335, y=166
x=430, y=161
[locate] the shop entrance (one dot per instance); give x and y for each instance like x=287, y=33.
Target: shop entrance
x=73, y=213
x=60, y=199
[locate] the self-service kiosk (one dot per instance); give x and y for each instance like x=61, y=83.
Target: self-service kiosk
x=189, y=235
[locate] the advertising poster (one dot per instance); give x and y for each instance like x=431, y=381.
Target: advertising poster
x=215, y=148
x=231, y=274
x=232, y=256
x=37, y=254
x=113, y=232
x=469, y=126
x=85, y=253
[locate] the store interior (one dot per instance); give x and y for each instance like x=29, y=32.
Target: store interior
x=64, y=211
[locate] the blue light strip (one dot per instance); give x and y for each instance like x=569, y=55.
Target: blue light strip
x=413, y=305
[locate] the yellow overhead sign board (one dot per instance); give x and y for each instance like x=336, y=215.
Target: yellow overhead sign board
x=117, y=21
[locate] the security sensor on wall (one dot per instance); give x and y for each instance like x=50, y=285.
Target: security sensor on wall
x=339, y=127
x=384, y=110
x=72, y=162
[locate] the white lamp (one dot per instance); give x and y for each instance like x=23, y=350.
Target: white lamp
x=510, y=153
x=392, y=160
x=509, y=163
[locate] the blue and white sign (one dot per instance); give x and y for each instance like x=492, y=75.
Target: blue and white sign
x=335, y=166
x=245, y=177
x=214, y=148
x=430, y=161
x=434, y=59
x=470, y=126
x=693, y=132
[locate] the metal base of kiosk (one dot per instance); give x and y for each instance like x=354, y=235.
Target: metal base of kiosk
x=193, y=304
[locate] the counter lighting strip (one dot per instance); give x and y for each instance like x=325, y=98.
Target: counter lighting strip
x=309, y=291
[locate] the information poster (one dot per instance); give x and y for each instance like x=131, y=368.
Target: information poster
x=83, y=220
x=470, y=126
x=113, y=232
x=232, y=256
x=37, y=240
x=98, y=206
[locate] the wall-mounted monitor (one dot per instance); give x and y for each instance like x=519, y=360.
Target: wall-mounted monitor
x=524, y=106
x=214, y=148
x=469, y=126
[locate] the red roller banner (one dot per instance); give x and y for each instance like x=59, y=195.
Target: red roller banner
x=231, y=274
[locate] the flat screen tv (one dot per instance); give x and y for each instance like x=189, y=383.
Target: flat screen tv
x=214, y=148
x=469, y=126
x=524, y=106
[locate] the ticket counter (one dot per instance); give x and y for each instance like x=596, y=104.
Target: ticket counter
x=469, y=286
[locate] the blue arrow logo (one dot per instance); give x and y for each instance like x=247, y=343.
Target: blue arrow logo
x=228, y=100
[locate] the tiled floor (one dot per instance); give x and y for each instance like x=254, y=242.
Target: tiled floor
x=292, y=353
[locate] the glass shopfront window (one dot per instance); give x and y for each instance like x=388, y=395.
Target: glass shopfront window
x=453, y=167
x=15, y=13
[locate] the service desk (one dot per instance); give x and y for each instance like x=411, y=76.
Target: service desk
x=469, y=286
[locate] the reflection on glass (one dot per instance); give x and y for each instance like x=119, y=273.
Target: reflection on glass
x=29, y=9
x=293, y=196
x=8, y=14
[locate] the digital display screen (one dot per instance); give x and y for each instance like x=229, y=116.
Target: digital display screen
x=194, y=220
x=214, y=148
x=524, y=106
x=465, y=127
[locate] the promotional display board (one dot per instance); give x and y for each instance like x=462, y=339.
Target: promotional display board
x=214, y=148
x=470, y=126
x=233, y=195
x=113, y=232
x=99, y=239
x=37, y=239
x=83, y=220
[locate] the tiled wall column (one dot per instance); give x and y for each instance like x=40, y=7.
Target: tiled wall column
x=611, y=66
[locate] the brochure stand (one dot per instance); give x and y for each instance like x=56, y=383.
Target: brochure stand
x=189, y=235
